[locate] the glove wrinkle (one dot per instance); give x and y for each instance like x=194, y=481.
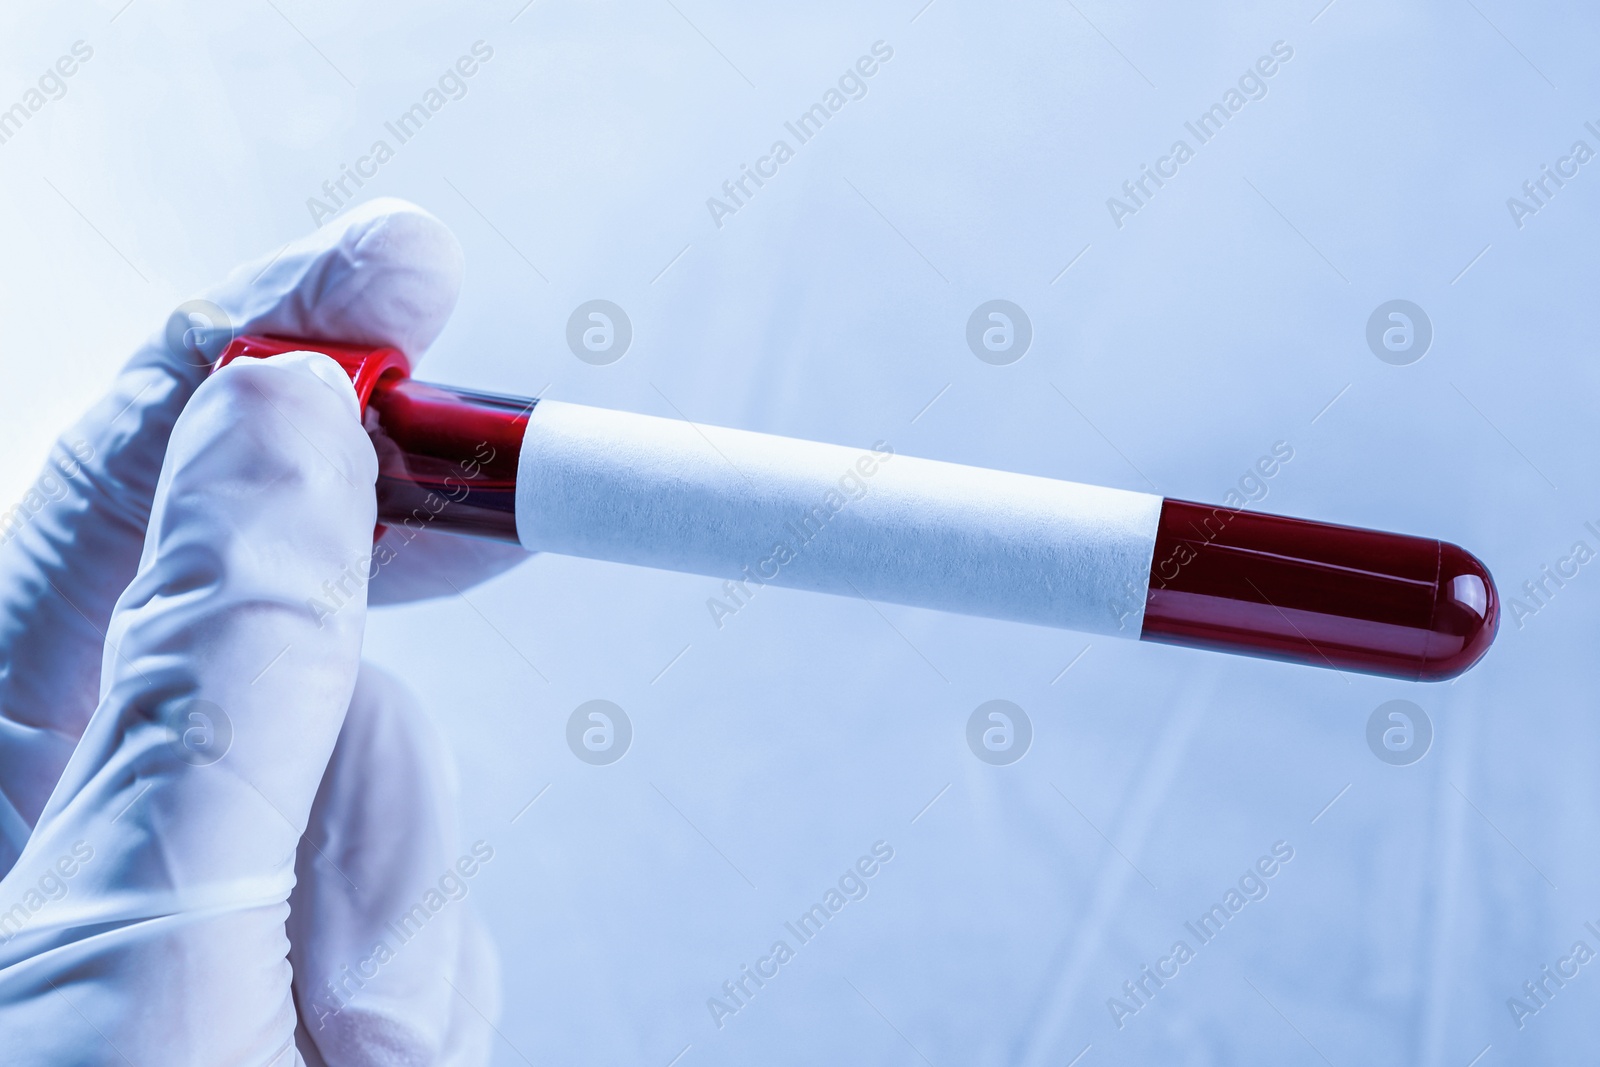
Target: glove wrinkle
x=385, y=815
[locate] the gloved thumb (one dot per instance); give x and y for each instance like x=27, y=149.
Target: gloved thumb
x=222, y=695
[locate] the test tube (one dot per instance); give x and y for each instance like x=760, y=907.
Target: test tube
x=757, y=509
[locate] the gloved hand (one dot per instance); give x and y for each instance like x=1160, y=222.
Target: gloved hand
x=200, y=784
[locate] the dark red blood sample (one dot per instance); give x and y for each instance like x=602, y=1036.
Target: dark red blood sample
x=447, y=458
x=1316, y=593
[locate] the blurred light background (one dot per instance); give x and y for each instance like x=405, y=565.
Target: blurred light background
x=1226, y=315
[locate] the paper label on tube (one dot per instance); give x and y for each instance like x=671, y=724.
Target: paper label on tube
x=866, y=522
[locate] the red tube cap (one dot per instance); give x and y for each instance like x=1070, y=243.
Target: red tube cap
x=364, y=365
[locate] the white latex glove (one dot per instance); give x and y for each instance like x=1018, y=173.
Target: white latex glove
x=150, y=909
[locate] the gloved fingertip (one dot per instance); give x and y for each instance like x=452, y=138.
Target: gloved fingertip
x=265, y=412
x=402, y=231
x=326, y=369
x=384, y=272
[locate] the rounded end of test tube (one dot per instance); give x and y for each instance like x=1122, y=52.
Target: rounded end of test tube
x=1466, y=615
